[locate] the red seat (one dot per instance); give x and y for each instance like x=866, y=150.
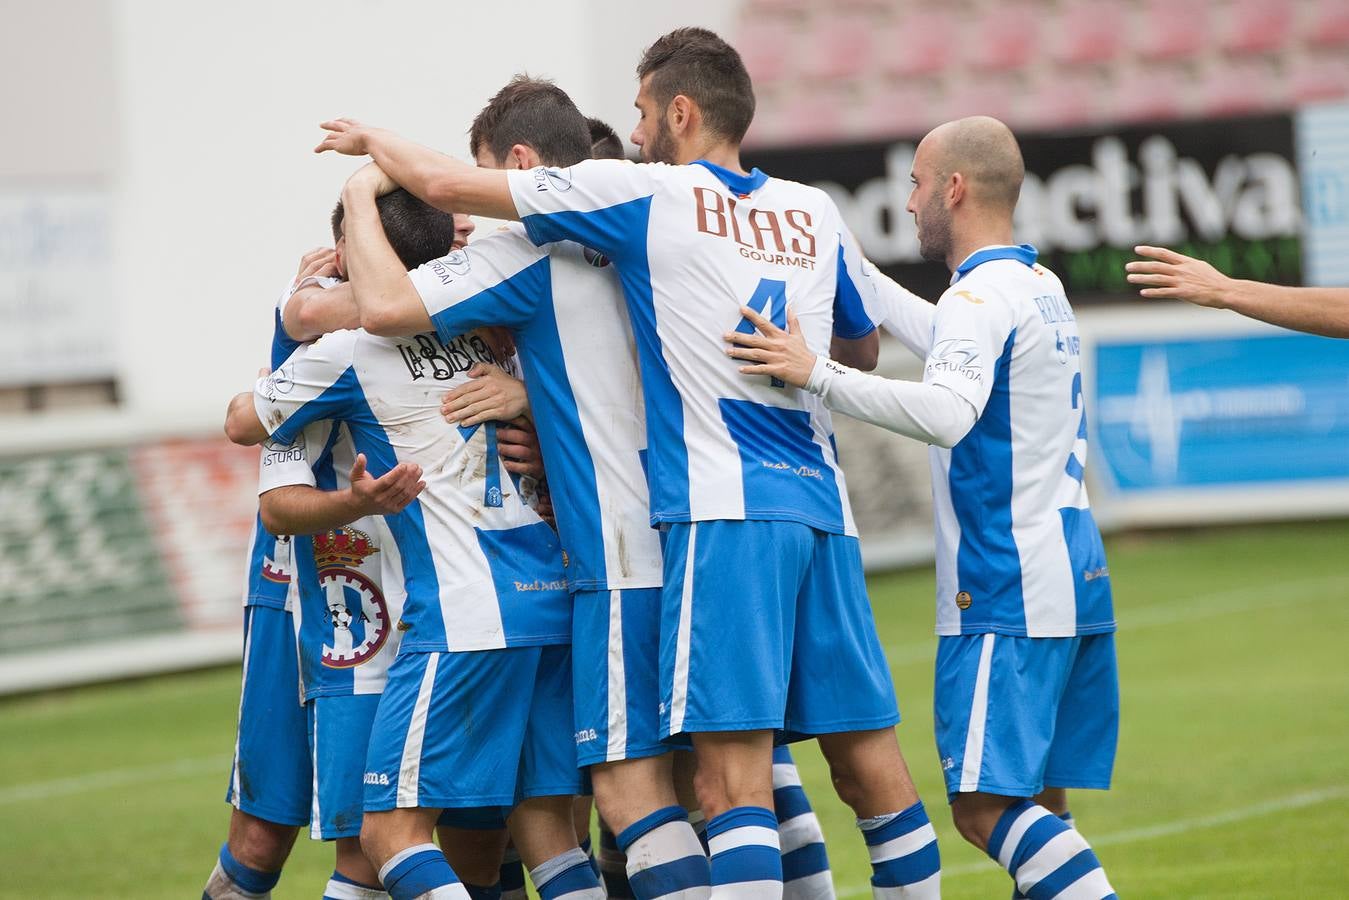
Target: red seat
x=818, y=115
x=1006, y=38
x=1091, y=31
x=1257, y=26
x=1316, y=79
x=919, y=43
x=840, y=47
x=1172, y=29
x=1239, y=88
x=904, y=109
x=986, y=96
x=768, y=46
x=1153, y=93
x=1328, y=26
x=1062, y=100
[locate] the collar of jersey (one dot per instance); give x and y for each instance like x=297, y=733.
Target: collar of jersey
x=1022, y=253
x=741, y=184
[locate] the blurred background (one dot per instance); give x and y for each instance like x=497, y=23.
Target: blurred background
x=157, y=189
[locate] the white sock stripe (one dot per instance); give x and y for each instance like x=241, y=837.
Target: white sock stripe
x=816, y=886
x=617, y=746
x=410, y=770
x=1091, y=886
x=800, y=831
x=454, y=891
x=667, y=843
x=694, y=893
x=1017, y=832
x=588, y=893
x=902, y=846
x=744, y=836
x=747, y=890
x=1056, y=851
x=785, y=775
x=679, y=692
x=974, y=733
x=340, y=890
x=927, y=889
x=401, y=855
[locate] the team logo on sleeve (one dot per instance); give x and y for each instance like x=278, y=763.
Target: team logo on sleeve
x=278, y=383
x=546, y=179
x=956, y=355
x=356, y=608
x=455, y=265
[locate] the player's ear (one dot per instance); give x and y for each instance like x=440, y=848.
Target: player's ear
x=520, y=157
x=955, y=189
x=679, y=114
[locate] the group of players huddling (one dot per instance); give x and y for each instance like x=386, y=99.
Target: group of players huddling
x=682, y=329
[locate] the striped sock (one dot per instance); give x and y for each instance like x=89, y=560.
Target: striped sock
x=588, y=848
x=613, y=866
x=664, y=858
x=567, y=875
x=1067, y=818
x=805, y=864
x=512, y=876
x=340, y=887
x=421, y=873
x=698, y=821
x=232, y=880
x=904, y=857
x=1045, y=857
x=746, y=855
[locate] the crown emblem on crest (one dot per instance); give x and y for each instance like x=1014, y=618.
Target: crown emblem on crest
x=342, y=547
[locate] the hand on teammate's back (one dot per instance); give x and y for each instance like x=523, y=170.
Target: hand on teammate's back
x=519, y=448
x=389, y=493
x=781, y=354
x=492, y=395
x=1167, y=274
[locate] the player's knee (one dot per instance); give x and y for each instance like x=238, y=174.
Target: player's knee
x=847, y=784
x=713, y=790
x=262, y=845
x=973, y=820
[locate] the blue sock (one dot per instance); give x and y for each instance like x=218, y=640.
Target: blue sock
x=904, y=857
x=512, y=875
x=663, y=855
x=805, y=864
x=340, y=887
x=613, y=866
x=745, y=852
x=1044, y=856
x=250, y=880
x=418, y=870
x=478, y=892
x=1067, y=817
x=588, y=849
x=567, y=875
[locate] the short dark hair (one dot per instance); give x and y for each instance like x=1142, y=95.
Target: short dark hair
x=697, y=63
x=417, y=231
x=604, y=141
x=534, y=112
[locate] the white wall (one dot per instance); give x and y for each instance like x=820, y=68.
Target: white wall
x=201, y=118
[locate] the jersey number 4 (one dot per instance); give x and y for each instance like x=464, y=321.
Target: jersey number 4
x=770, y=301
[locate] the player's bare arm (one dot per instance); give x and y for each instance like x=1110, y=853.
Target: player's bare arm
x=860, y=353
x=386, y=301
x=242, y=425
x=301, y=509
x=1166, y=274
x=313, y=311
x=927, y=412
x=442, y=181
x=492, y=395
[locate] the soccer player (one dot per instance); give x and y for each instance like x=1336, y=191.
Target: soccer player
x=486, y=621
x=765, y=622
x=1167, y=274
x=1027, y=696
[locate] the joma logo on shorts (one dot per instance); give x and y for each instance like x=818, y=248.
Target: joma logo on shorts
x=378, y=778
x=586, y=734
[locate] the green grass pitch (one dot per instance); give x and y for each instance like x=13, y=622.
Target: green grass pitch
x=1232, y=778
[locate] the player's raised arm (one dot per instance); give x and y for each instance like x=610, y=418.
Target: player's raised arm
x=1166, y=274
x=387, y=302
x=442, y=181
x=305, y=509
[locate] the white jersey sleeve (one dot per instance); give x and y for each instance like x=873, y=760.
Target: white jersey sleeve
x=500, y=280
x=904, y=314
x=544, y=196
x=969, y=335
x=282, y=465
x=931, y=413
x=316, y=382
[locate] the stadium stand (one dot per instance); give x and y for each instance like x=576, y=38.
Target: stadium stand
x=1036, y=63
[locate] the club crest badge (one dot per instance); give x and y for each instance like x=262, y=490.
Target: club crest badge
x=356, y=607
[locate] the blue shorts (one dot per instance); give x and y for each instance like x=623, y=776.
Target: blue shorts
x=615, y=674
x=766, y=625
x=271, y=778
x=1017, y=714
x=339, y=735
x=473, y=728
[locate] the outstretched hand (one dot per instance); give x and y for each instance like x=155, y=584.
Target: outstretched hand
x=346, y=136
x=389, y=493
x=780, y=354
x=1167, y=274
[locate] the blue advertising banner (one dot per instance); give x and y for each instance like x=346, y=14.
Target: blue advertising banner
x=1220, y=412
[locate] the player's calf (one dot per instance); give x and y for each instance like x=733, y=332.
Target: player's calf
x=250, y=862
x=544, y=831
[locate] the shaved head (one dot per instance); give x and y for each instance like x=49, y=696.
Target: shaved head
x=985, y=152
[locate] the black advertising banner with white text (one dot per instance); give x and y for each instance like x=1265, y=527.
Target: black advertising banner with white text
x=1223, y=190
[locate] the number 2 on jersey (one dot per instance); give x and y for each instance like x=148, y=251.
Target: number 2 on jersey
x=770, y=301
x=1075, y=469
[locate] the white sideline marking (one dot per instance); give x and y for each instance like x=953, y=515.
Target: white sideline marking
x=111, y=778
x=1182, y=826
x=1187, y=609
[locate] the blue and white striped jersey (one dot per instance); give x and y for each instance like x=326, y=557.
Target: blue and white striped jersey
x=564, y=304
x=692, y=244
x=481, y=570
x=1018, y=551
